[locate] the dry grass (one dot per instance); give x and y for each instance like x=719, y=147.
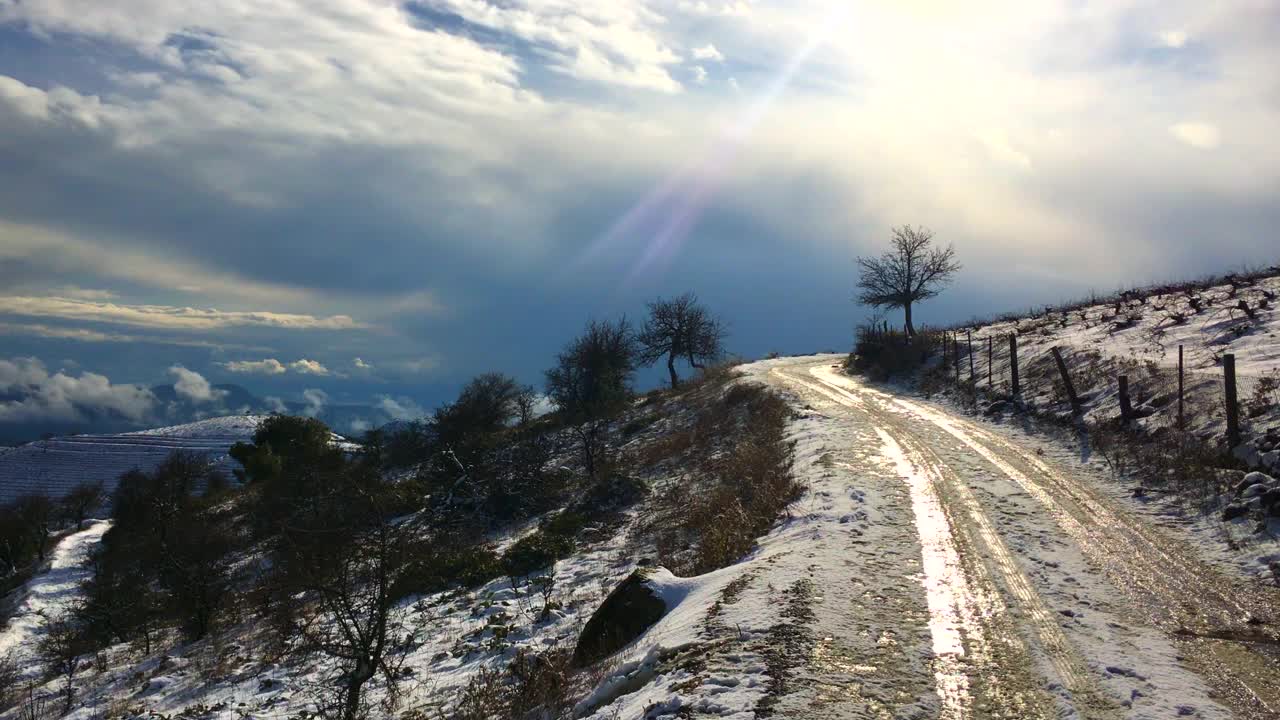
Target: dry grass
x=738, y=484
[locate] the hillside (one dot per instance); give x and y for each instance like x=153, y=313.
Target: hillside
x=927, y=564
x=1138, y=334
x=57, y=465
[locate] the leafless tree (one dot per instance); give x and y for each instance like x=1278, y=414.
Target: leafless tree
x=60, y=648
x=591, y=381
x=914, y=270
x=82, y=500
x=354, y=583
x=680, y=328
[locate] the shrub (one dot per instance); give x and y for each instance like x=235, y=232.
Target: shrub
x=436, y=570
x=881, y=353
x=534, y=552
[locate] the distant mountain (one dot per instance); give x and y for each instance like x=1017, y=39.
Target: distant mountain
x=173, y=408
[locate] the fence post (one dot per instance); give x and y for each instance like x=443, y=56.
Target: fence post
x=1233, y=409
x=990, y=356
x=973, y=380
x=1013, y=363
x=955, y=354
x=1126, y=410
x=1182, y=424
x=1066, y=379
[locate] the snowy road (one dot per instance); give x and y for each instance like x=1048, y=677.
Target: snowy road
x=1039, y=595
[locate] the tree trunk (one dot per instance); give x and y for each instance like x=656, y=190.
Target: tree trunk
x=671, y=368
x=351, y=708
x=906, y=312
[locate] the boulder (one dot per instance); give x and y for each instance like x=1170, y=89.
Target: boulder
x=1270, y=498
x=630, y=609
x=1253, y=491
x=1258, y=478
x=1233, y=511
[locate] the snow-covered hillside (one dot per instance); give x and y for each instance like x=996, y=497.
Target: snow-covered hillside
x=56, y=466
x=1139, y=334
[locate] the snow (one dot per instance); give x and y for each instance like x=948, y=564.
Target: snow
x=50, y=594
x=55, y=466
x=903, y=591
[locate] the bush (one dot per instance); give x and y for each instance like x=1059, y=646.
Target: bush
x=881, y=353
x=438, y=570
x=534, y=552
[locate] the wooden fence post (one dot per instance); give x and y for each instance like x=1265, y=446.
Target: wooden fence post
x=1182, y=423
x=968, y=334
x=1126, y=410
x=955, y=354
x=990, y=356
x=1066, y=379
x=1013, y=362
x=1233, y=408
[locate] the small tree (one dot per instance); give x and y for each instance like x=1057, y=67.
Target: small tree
x=680, y=328
x=914, y=270
x=82, y=500
x=354, y=583
x=60, y=648
x=592, y=381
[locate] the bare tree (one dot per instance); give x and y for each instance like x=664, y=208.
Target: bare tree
x=82, y=500
x=592, y=381
x=680, y=328
x=914, y=270
x=60, y=647
x=354, y=582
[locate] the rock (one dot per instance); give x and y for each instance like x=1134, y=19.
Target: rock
x=1257, y=478
x=1270, y=498
x=630, y=609
x=1233, y=511
x=997, y=406
x=1253, y=491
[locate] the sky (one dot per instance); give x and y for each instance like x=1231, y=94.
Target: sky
x=374, y=200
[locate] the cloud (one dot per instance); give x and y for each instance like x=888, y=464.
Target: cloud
x=417, y=366
x=41, y=397
x=400, y=408
x=308, y=367
x=708, y=52
x=192, y=386
x=167, y=317
x=359, y=425
x=316, y=399
x=1173, y=38
x=699, y=74
x=266, y=366
x=1196, y=134
x=272, y=366
x=275, y=404
x=362, y=365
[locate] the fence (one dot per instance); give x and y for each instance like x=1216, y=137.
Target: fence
x=1003, y=376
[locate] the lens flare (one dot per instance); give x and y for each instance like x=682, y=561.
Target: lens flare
x=664, y=219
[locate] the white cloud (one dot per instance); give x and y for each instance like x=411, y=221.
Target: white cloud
x=275, y=404
x=167, y=317
x=362, y=365
x=699, y=74
x=417, y=366
x=61, y=397
x=267, y=366
x=708, y=52
x=316, y=399
x=400, y=408
x=1196, y=134
x=359, y=425
x=193, y=386
x=308, y=367
x=1173, y=38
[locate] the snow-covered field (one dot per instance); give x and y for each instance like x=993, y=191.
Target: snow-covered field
x=1140, y=336
x=55, y=466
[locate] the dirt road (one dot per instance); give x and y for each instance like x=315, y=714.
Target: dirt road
x=1043, y=597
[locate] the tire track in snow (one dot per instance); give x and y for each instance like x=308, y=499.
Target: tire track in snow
x=1068, y=665
x=1153, y=573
